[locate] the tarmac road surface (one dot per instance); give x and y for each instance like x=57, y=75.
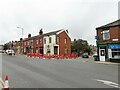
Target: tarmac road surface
x=26, y=72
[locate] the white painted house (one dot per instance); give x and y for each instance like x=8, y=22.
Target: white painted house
x=57, y=42
x=50, y=43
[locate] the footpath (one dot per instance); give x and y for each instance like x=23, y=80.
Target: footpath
x=107, y=63
x=91, y=60
x=1, y=84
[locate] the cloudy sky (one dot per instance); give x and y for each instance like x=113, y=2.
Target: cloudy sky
x=80, y=17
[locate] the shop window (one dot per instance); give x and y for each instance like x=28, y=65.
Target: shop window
x=106, y=35
x=116, y=53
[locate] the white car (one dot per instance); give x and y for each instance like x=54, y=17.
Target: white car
x=10, y=52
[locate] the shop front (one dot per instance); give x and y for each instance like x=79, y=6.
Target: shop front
x=109, y=52
x=114, y=52
x=102, y=52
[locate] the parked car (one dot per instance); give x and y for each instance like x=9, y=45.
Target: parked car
x=10, y=52
x=85, y=55
x=2, y=51
x=95, y=57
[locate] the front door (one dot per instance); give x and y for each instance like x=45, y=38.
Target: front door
x=102, y=54
x=55, y=49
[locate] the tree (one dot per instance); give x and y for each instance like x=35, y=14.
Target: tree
x=80, y=46
x=6, y=46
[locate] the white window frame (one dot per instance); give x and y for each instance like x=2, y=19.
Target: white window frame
x=36, y=50
x=106, y=32
x=40, y=40
x=44, y=40
x=37, y=41
x=57, y=39
x=50, y=39
x=65, y=41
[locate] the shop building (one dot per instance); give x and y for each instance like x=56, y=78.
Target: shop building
x=108, y=42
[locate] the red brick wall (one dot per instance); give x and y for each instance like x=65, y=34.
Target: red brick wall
x=34, y=45
x=119, y=33
x=114, y=34
x=62, y=45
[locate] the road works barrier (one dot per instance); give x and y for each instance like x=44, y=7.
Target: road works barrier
x=48, y=56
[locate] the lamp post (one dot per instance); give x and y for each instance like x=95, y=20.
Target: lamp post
x=22, y=31
x=22, y=40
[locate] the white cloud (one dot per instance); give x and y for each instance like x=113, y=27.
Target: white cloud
x=79, y=16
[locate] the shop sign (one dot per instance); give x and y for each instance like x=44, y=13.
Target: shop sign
x=114, y=46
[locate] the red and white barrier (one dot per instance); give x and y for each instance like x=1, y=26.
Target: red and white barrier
x=38, y=55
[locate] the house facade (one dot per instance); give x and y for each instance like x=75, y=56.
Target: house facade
x=1, y=47
x=56, y=42
x=33, y=44
x=108, y=41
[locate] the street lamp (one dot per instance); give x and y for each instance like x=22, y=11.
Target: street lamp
x=22, y=30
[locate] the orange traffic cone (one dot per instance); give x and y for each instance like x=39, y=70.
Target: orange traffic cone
x=6, y=84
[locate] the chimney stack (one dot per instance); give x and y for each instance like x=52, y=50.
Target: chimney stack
x=67, y=30
x=29, y=35
x=41, y=32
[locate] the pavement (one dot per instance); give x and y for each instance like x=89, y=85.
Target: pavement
x=107, y=63
x=1, y=84
x=26, y=72
x=1, y=81
x=91, y=60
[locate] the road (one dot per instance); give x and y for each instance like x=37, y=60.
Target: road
x=26, y=72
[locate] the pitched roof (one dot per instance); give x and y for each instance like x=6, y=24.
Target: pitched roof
x=52, y=33
x=46, y=34
x=112, y=24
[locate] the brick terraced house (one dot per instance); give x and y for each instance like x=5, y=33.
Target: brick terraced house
x=56, y=42
x=108, y=41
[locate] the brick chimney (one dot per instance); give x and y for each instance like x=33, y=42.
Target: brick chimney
x=29, y=35
x=41, y=32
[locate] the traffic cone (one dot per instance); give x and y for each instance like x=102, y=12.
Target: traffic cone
x=6, y=84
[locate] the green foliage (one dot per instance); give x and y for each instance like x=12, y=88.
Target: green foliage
x=6, y=46
x=80, y=46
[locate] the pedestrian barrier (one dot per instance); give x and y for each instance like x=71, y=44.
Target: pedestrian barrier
x=48, y=56
x=6, y=84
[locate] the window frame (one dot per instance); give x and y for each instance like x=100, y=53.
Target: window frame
x=44, y=40
x=65, y=40
x=50, y=39
x=37, y=41
x=115, y=51
x=40, y=40
x=106, y=33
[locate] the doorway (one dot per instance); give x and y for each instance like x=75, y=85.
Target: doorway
x=55, y=49
x=102, y=54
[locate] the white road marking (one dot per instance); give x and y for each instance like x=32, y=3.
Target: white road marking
x=109, y=83
x=1, y=84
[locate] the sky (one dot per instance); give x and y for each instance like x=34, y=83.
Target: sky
x=80, y=17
